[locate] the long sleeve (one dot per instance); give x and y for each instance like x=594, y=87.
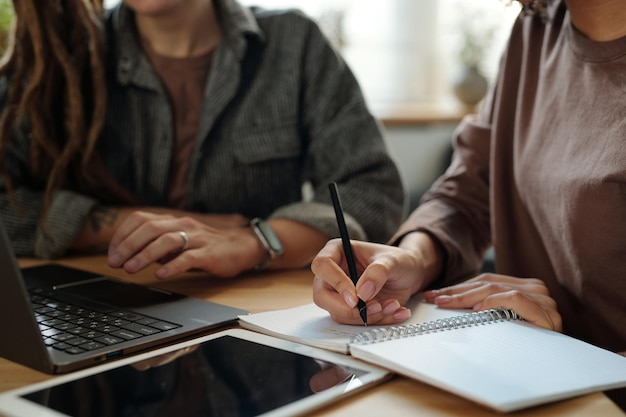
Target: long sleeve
x=346, y=145
x=21, y=211
x=455, y=210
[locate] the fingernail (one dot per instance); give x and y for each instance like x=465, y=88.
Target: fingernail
x=132, y=265
x=115, y=259
x=443, y=299
x=349, y=299
x=478, y=306
x=402, y=314
x=161, y=273
x=374, y=308
x=366, y=291
x=391, y=307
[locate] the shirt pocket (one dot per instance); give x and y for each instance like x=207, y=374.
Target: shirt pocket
x=268, y=144
x=271, y=163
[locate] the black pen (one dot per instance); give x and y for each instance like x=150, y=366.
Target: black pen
x=347, y=248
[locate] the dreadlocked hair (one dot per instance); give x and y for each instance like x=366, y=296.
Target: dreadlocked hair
x=57, y=94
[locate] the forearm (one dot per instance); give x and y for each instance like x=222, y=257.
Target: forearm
x=300, y=242
x=429, y=252
x=51, y=236
x=98, y=228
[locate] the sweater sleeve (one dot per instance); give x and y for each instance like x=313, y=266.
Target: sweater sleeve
x=455, y=211
x=21, y=209
x=345, y=145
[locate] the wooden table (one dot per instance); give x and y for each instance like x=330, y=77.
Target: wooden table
x=273, y=290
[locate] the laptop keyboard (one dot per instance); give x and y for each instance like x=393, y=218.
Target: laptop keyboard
x=76, y=329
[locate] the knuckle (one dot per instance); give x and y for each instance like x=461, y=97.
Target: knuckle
x=319, y=262
x=516, y=294
x=140, y=216
x=152, y=228
x=495, y=287
x=379, y=269
x=191, y=257
x=486, y=278
x=539, y=287
x=187, y=222
x=137, y=214
x=174, y=239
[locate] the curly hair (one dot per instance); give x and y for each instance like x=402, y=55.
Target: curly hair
x=57, y=96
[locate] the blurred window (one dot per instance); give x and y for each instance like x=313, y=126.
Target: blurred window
x=409, y=51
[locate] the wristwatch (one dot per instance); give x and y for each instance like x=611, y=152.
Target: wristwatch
x=268, y=239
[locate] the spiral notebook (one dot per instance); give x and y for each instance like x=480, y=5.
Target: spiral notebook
x=493, y=358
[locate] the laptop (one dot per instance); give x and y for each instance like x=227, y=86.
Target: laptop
x=58, y=319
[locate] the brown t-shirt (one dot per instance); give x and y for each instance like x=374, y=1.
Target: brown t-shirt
x=184, y=80
x=541, y=174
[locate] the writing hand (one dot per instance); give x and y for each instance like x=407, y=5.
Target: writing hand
x=388, y=277
x=529, y=298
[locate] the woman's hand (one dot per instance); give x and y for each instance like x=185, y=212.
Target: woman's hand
x=388, y=277
x=144, y=238
x=529, y=298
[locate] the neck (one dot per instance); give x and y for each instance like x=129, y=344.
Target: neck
x=190, y=29
x=599, y=20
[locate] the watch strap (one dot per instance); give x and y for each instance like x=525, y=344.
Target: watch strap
x=268, y=240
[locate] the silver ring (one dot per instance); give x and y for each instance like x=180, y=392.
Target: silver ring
x=185, y=237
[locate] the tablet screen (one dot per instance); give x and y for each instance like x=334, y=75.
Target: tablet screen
x=225, y=376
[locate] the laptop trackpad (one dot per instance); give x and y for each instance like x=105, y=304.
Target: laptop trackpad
x=94, y=287
x=120, y=294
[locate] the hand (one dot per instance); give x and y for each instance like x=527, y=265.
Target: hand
x=329, y=376
x=529, y=298
x=144, y=238
x=102, y=222
x=389, y=276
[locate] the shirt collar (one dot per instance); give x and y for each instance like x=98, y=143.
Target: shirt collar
x=239, y=26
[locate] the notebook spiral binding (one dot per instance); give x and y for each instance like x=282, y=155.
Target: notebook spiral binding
x=464, y=320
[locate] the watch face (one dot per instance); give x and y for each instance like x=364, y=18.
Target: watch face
x=267, y=234
x=271, y=237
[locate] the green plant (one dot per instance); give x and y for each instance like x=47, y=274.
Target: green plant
x=6, y=20
x=476, y=31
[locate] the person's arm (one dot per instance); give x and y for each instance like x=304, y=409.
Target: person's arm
x=144, y=238
x=389, y=276
x=22, y=203
x=344, y=145
x=101, y=223
x=21, y=214
x=528, y=297
x=300, y=241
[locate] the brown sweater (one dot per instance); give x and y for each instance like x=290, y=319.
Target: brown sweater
x=541, y=175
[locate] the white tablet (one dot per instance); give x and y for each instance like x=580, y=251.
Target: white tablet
x=230, y=373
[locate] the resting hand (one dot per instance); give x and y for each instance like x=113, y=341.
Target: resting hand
x=529, y=298
x=102, y=222
x=389, y=276
x=144, y=238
